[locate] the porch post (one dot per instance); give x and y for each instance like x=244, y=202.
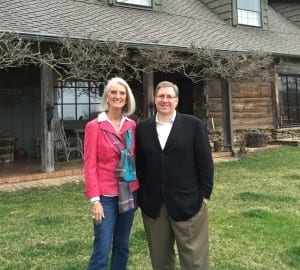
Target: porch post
x=148, y=90
x=47, y=110
x=228, y=117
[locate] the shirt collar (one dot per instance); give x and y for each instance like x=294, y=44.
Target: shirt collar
x=103, y=117
x=171, y=120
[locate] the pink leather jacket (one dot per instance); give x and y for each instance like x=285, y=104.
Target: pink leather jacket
x=100, y=160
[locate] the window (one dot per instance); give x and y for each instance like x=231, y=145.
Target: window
x=289, y=99
x=249, y=12
x=144, y=3
x=78, y=100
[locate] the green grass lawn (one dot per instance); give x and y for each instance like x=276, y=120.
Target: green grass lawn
x=254, y=220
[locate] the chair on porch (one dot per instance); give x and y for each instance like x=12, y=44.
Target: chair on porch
x=63, y=147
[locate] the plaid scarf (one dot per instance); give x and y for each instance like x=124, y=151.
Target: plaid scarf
x=125, y=170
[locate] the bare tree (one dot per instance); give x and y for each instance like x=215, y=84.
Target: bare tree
x=93, y=60
x=15, y=51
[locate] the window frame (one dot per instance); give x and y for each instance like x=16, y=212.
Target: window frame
x=253, y=11
x=134, y=5
x=289, y=113
x=77, y=85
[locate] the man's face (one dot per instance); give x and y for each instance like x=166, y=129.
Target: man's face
x=166, y=100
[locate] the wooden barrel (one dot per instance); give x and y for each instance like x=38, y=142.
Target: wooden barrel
x=7, y=147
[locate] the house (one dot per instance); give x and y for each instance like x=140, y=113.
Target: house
x=229, y=108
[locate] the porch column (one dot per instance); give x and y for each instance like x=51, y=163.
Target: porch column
x=148, y=90
x=228, y=118
x=47, y=110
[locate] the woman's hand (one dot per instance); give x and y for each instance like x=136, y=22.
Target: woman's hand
x=97, y=212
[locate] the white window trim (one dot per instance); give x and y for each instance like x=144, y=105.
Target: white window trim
x=140, y=3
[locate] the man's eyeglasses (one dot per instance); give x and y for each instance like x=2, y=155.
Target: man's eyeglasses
x=167, y=97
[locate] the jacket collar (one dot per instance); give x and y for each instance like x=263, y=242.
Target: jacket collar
x=107, y=125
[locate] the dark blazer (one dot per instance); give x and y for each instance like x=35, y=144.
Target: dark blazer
x=178, y=176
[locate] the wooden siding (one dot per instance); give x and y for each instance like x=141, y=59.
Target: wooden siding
x=252, y=106
x=215, y=104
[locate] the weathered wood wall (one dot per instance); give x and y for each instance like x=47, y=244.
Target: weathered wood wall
x=252, y=106
x=215, y=107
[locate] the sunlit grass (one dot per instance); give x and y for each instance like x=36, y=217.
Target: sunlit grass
x=254, y=220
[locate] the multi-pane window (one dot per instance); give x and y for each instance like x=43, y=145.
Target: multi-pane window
x=144, y=3
x=249, y=12
x=289, y=99
x=78, y=100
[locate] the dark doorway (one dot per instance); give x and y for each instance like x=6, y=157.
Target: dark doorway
x=185, y=95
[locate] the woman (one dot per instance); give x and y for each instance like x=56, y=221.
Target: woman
x=104, y=139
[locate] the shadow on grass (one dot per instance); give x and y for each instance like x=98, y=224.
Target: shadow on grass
x=293, y=177
x=291, y=257
x=47, y=220
x=45, y=248
x=256, y=213
x=260, y=197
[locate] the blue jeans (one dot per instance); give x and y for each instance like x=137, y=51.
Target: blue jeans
x=113, y=231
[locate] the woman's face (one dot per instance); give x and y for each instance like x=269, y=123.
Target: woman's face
x=116, y=96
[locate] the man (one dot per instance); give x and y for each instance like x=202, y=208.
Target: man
x=175, y=170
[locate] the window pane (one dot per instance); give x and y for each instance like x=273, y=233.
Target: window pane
x=252, y=5
x=82, y=95
x=95, y=108
x=82, y=112
x=95, y=96
x=82, y=84
x=249, y=18
x=146, y=3
x=282, y=84
x=69, y=112
x=292, y=84
x=68, y=84
x=289, y=100
x=69, y=95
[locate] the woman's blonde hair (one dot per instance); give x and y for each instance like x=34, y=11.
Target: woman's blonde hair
x=129, y=108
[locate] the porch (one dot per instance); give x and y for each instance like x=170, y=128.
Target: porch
x=29, y=170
